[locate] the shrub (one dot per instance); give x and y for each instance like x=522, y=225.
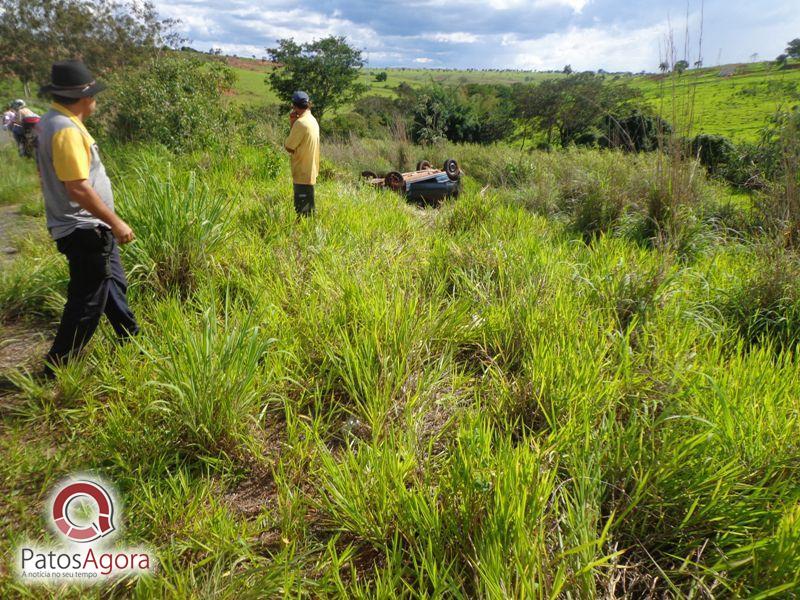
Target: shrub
x=178, y=221
x=173, y=101
x=257, y=125
x=380, y=111
x=637, y=132
x=449, y=113
x=714, y=152
x=345, y=125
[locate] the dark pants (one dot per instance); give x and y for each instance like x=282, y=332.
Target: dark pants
x=18, y=132
x=97, y=286
x=303, y=199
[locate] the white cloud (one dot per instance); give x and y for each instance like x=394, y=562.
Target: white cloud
x=423, y=60
x=206, y=25
x=541, y=34
x=613, y=49
x=456, y=37
x=576, y=5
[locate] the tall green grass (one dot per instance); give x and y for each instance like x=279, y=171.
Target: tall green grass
x=20, y=183
x=516, y=395
x=179, y=220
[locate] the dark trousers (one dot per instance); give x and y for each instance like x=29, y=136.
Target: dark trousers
x=303, y=199
x=97, y=286
x=17, y=131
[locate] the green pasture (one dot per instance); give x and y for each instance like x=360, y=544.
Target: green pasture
x=736, y=106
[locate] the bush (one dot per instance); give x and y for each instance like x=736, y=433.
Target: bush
x=638, y=132
x=380, y=111
x=173, y=101
x=449, y=113
x=715, y=152
x=345, y=125
x=178, y=221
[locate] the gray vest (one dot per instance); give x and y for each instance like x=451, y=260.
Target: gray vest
x=63, y=215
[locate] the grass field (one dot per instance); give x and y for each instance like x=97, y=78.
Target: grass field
x=250, y=87
x=737, y=106
x=384, y=401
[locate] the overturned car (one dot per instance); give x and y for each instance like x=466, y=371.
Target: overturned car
x=426, y=186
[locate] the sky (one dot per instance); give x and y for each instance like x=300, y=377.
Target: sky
x=614, y=35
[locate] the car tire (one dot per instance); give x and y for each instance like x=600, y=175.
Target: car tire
x=452, y=169
x=394, y=181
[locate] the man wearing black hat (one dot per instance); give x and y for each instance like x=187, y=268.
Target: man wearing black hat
x=79, y=205
x=303, y=145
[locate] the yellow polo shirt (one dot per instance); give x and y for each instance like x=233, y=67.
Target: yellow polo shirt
x=304, y=141
x=72, y=149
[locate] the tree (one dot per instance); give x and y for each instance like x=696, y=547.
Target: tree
x=572, y=107
x=663, y=66
x=467, y=113
x=327, y=69
x=567, y=70
x=681, y=66
x=105, y=34
x=382, y=76
x=781, y=59
x=793, y=48
x=639, y=131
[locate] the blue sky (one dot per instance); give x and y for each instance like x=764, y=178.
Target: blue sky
x=615, y=35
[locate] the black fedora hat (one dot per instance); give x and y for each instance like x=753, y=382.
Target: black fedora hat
x=71, y=79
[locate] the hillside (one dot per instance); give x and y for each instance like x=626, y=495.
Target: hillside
x=737, y=105
x=251, y=73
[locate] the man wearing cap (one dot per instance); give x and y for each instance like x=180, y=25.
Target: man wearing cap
x=303, y=145
x=80, y=213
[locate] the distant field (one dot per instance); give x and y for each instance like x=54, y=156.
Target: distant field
x=251, y=88
x=737, y=106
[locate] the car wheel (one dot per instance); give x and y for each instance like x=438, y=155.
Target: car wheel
x=424, y=164
x=452, y=170
x=368, y=174
x=394, y=181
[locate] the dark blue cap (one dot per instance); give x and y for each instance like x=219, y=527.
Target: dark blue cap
x=300, y=98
